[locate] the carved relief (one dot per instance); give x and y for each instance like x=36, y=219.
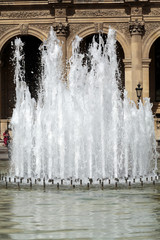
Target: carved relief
x=61, y=29
x=5, y=28
x=44, y=27
x=100, y=13
x=25, y=14
x=136, y=27
x=150, y=27
x=75, y=28
x=136, y=11
x=60, y=12
x=152, y=11
x=98, y=27
x=24, y=29
x=121, y=27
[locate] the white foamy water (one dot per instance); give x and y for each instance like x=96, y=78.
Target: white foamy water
x=83, y=128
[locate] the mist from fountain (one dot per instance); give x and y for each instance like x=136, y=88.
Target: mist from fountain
x=81, y=128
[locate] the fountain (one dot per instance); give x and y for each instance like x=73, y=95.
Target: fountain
x=82, y=128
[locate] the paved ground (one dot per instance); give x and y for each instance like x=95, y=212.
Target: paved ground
x=3, y=153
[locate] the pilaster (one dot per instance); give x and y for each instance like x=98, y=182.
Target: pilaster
x=136, y=28
x=128, y=76
x=145, y=66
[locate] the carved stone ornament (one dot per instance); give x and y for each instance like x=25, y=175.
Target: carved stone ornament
x=24, y=29
x=4, y=28
x=136, y=27
x=98, y=27
x=136, y=10
x=43, y=27
x=61, y=28
x=25, y=14
x=150, y=27
x=121, y=27
x=100, y=13
x=60, y=12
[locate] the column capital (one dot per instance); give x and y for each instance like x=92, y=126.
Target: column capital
x=61, y=29
x=136, y=27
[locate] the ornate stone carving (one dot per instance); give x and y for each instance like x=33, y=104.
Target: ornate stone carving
x=154, y=12
x=136, y=10
x=25, y=14
x=98, y=27
x=150, y=27
x=60, y=12
x=61, y=28
x=136, y=27
x=24, y=29
x=100, y=13
x=5, y=28
x=75, y=28
x=44, y=27
x=121, y=27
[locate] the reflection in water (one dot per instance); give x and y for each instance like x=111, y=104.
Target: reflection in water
x=108, y=214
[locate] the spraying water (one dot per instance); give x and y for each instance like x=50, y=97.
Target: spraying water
x=82, y=129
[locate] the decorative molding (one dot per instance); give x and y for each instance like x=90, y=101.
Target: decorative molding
x=24, y=29
x=61, y=28
x=100, y=13
x=127, y=63
x=136, y=27
x=25, y=14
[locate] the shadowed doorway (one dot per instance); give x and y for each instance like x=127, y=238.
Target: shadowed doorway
x=32, y=72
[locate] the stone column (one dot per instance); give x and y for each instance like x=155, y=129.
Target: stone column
x=136, y=29
x=61, y=30
x=145, y=66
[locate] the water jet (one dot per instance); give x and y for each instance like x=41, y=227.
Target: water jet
x=80, y=120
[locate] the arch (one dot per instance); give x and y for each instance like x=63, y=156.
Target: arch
x=149, y=42
x=91, y=30
x=16, y=31
x=7, y=71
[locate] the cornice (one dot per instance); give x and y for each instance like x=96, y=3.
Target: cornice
x=23, y=3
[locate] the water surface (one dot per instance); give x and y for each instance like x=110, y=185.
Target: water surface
x=80, y=214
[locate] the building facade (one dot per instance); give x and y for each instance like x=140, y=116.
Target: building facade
x=137, y=25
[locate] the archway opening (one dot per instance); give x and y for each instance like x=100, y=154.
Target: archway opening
x=32, y=72
x=86, y=42
x=154, y=72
